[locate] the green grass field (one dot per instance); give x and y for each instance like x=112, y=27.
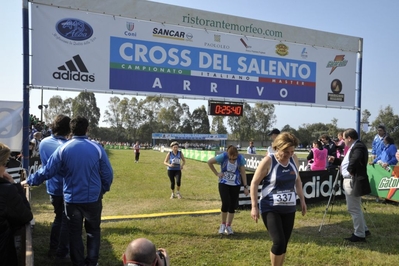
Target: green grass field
x=143, y=189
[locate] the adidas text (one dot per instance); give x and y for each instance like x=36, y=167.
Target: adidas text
x=77, y=76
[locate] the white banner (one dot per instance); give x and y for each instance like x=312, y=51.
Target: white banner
x=11, y=124
x=195, y=18
x=89, y=51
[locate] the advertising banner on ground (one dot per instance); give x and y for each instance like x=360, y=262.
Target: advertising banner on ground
x=80, y=50
x=175, y=136
x=383, y=183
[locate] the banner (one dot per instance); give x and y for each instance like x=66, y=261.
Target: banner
x=80, y=50
x=174, y=136
x=383, y=183
x=11, y=124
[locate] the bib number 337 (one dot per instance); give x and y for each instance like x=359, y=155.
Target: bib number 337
x=284, y=198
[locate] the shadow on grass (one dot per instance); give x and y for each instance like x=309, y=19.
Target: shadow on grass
x=41, y=240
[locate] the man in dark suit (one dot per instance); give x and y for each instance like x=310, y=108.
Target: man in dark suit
x=356, y=182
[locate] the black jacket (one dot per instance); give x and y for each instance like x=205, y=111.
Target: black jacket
x=357, y=167
x=14, y=213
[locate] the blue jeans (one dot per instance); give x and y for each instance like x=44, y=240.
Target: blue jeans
x=91, y=213
x=59, y=237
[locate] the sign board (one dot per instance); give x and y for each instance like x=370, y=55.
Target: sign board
x=383, y=183
x=11, y=124
x=77, y=46
x=175, y=136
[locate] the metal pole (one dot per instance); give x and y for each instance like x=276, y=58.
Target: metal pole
x=359, y=100
x=41, y=110
x=25, y=85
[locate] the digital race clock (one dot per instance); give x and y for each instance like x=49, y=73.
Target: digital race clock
x=225, y=108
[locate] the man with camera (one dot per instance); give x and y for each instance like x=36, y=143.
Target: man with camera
x=142, y=252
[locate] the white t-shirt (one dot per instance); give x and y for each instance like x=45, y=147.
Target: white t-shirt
x=270, y=150
x=251, y=150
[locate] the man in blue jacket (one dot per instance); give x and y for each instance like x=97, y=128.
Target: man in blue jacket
x=378, y=142
x=59, y=240
x=87, y=176
x=387, y=156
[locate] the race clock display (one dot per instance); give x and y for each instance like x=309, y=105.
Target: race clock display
x=225, y=108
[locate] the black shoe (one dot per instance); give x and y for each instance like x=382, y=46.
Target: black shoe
x=368, y=233
x=355, y=238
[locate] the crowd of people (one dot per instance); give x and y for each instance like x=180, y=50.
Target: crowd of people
x=78, y=173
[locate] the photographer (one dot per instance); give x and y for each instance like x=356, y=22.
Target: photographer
x=142, y=252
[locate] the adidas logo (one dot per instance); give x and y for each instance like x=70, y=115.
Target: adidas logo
x=75, y=70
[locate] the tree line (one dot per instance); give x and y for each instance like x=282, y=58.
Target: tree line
x=130, y=119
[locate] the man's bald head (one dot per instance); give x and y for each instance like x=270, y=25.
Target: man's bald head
x=141, y=250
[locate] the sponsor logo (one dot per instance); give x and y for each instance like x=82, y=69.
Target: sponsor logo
x=11, y=126
x=216, y=43
x=389, y=183
x=252, y=163
x=304, y=53
x=130, y=28
x=244, y=43
x=282, y=49
x=315, y=188
x=75, y=70
x=339, y=61
x=336, y=88
x=248, y=47
x=189, y=37
x=74, y=29
x=171, y=34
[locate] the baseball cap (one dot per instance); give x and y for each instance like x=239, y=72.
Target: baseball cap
x=274, y=131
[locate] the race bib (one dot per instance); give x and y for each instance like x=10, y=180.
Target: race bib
x=284, y=198
x=229, y=176
x=175, y=161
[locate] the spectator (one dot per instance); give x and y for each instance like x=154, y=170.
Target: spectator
x=14, y=211
x=273, y=135
x=331, y=150
x=59, y=240
x=281, y=186
x=175, y=161
x=142, y=251
x=37, y=136
x=251, y=149
x=88, y=175
x=231, y=177
x=317, y=157
x=378, y=142
x=356, y=183
x=136, y=149
x=340, y=144
x=387, y=156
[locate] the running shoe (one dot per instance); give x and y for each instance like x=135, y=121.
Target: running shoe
x=229, y=231
x=172, y=196
x=222, y=228
x=178, y=195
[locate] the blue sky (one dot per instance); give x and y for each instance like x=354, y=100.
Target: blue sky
x=374, y=21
